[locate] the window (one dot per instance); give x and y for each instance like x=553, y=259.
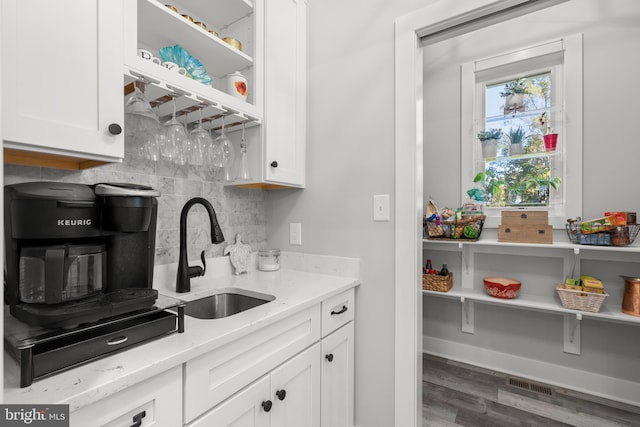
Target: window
x=510, y=102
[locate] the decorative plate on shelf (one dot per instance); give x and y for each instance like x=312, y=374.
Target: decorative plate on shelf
x=180, y=56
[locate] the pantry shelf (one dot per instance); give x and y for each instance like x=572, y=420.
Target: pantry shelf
x=540, y=267
x=610, y=313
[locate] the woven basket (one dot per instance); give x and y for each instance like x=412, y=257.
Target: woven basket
x=432, y=229
x=436, y=282
x=579, y=300
x=455, y=230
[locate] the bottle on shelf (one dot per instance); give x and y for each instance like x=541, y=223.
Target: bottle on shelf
x=444, y=271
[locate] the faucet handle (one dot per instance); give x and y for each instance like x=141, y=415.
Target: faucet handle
x=196, y=270
x=204, y=263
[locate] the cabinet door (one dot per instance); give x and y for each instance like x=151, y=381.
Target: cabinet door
x=338, y=378
x=285, y=91
x=62, y=77
x=248, y=408
x=295, y=391
x=155, y=402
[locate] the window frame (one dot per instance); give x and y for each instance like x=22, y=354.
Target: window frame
x=563, y=57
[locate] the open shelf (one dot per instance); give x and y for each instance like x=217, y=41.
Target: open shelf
x=536, y=303
x=159, y=26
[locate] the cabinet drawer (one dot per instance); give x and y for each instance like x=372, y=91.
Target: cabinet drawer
x=159, y=398
x=212, y=377
x=337, y=311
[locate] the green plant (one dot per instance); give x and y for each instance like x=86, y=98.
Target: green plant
x=487, y=186
x=517, y=135
x=488, y=134
x=513, y=87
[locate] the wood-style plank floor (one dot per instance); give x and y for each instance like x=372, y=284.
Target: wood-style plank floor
x=457, y=394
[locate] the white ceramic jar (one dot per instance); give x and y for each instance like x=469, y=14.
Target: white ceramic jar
x=237, y=85
x=269, y=260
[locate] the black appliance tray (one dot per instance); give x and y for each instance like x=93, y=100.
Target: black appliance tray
x=55, y=354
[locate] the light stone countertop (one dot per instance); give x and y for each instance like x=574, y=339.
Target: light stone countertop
x=307, y=280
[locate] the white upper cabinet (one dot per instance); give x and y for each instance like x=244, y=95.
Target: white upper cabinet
x=285, y=92
x=62, y=81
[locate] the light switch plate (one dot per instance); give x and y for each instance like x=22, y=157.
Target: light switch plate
x=381, y=207
x=295, y=233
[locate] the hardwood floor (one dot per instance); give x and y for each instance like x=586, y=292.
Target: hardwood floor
x=457, y=394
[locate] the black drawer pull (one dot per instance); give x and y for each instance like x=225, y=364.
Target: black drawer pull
x=266, y=405
x=281, y=394
x=344, y=309
x=137, y=419
x=329, y=357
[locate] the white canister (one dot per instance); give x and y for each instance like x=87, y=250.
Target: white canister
x=269, y=260
x=237, y=85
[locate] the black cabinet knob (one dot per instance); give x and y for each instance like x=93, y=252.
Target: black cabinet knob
x=329, y=357
x=115, y=129
x=266, y=405
x=281, y=394
x=274, y=164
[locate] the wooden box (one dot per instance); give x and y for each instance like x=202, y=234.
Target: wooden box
x=525, y=218
x=525, y=233
x=525, y=227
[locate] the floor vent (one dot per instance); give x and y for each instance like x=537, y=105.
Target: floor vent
x=531, y=386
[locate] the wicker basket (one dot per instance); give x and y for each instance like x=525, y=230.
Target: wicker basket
x=436, y=282
x=599, y=239
x=579, y=300
x=456, y=230
x=432, y=228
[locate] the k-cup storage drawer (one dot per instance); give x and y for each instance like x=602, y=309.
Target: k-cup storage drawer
x=337, y=311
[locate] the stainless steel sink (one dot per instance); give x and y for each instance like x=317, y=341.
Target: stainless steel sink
x=225, y=304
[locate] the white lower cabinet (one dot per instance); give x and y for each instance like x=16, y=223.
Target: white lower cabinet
x=288, y=396
x=155, y=402
x=338, y=378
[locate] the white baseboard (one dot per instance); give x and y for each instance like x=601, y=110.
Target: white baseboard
x=560, y=376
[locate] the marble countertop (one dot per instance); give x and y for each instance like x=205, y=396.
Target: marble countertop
x=307, y=281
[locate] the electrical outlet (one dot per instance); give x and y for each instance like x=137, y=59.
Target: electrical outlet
x=295, y=233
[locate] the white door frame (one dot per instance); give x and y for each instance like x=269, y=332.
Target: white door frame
x=409, y=205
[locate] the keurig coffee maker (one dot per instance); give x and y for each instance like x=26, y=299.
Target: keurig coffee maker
x=78, y=253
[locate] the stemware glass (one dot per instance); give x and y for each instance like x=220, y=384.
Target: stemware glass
x=227, y=153
x=200, y=140
x=175, y=139
x=243, y=173
x=214, y=155
x=141, y=125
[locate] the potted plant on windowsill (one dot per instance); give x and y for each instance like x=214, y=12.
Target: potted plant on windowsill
x=513, y=95
x=489, y=140
x=550, y=137
x=516, y=138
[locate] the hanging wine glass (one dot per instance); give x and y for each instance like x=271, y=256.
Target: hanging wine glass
x=175, y=139
x=214, y=155
x=227, y=153
x=200, y=140
x=244, y=161
x=141, y=124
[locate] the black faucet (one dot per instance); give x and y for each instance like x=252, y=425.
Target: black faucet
x=186, y=272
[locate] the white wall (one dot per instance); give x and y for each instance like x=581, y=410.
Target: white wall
x=610, y=152
x=350, y=156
